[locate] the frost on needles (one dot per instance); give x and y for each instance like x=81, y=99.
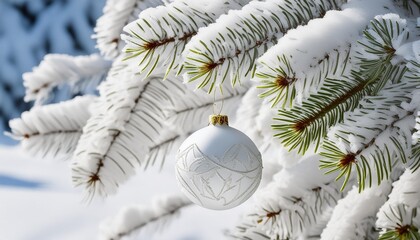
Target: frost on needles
x=317, y=84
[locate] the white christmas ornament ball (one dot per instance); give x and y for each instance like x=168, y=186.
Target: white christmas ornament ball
x=218, y=167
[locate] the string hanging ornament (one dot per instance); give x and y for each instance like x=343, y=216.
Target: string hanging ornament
x=218, y=167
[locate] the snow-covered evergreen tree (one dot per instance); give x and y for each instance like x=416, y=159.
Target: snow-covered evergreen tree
x=27, y=33
x=328, y=89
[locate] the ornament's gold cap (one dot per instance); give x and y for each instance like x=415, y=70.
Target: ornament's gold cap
x=218, y=119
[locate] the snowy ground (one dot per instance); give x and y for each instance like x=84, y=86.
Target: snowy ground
x=38, y=202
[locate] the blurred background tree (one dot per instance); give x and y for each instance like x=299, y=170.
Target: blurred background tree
x=31, y=29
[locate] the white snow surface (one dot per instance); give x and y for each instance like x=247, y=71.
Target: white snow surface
x=54, y=210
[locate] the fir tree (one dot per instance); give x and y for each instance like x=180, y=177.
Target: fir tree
x=328, y=89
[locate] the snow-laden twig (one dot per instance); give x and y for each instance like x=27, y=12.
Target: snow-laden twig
x=286, y=213
x=247, y=230
x=403, y=223
x=386, y=34
x=304, y=127
x=405, y=191
x=117, y=14
x=354, y=216
x=358, y=129
x=52, y=130
x=128, y=121
x=398, y=217
x=157, y=38
x=157, y=154
x=227, y=49
x=294, y=68
x=376, y=136
x=59, y=69
x=139, y=218
x=286, y=87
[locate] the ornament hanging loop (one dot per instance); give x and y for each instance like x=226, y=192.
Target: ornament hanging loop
x=221, y=101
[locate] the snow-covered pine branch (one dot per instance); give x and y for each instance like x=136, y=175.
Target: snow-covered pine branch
x=228, y=48
x=117, y=14
x=398, y=218
x=284, y=86
x=157, y=154
x=119, y=134
x=58, y=69
x=247, y=230
x=294, y=68
x=52, y=130
x=403, y=222
x=304, y=126
x=139, y=218
x=286, y=213
x=385, y=36
x=155, y=40
x=377, y=136
x=354, y=216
